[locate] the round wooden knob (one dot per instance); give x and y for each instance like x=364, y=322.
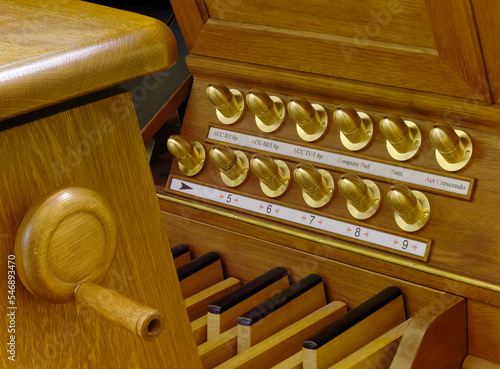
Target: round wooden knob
x=65, y=243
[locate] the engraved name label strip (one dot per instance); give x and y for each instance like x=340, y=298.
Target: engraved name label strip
x=393, y=172
x=408, y=246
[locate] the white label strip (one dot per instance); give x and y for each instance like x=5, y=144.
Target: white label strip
x=424, y=179
x=353, y=231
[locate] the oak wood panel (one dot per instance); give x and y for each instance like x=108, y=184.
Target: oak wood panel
x=457, y=43
x=399, y=21
x=379, y=352
x=190, y=19
x=52, y=51
x=460, y=252
x=487, y=15
x=436, y=337
x=298, y=38
x=379, y=63
x=293, y=362
x=218, y=349
x=484, y=325
x=473, y=362
x=85, y=146
x=199, y=329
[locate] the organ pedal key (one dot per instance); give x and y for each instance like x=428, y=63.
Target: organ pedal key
x=281, y=310
x=357, y=328
x=268, y=324
x=197, y=304
x=223, y=314
x=181, y=255
x=200, y=273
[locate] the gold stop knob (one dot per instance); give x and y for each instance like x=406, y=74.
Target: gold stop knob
x=191, y=155
x=411, y=208
x=453, y=147
x=274, y=175
x=356, y=128
x=311, y=119
x=317, y=184
x=229, y=103
x=363, y=195
x=403, y=137
x=269, y=110
x=233, y=165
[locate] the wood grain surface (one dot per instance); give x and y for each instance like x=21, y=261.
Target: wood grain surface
x=359, y=42
x=55, y=50
x=96, y=146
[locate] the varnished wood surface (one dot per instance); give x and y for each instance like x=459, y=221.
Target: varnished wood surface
x=355, y=47
x=280, y=312
x=380, y=351
x=66, y=238
x=472, y=362
x=436, y=337
x=460, y=252
x=286, y=342
x=139, y=319
x=218, y=349
x=370, y=328
x=483, y=320
x=342, y=18
x=345, y=283
x=197, y=304
x=487, y=14
x=86, y=146
x=54, y=50
x=218, y=323
x=199, y=329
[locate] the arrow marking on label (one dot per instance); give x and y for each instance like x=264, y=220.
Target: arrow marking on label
x=185, y=186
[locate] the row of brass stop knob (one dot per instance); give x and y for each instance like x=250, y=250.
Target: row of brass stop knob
x=403, y=137
x=411, y=208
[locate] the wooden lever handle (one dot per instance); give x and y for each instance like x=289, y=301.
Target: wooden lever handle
x=146, y=322
x=65, y=244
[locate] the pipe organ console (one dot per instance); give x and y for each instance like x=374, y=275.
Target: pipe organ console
x=352, y=146
x=330, y=202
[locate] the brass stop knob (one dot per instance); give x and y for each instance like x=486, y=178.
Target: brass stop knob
x=356, y=127
x=411, y=208
x=233, y=165
x=363, y=195
x=403, y=137
x=191, y=155
x=317, y=184
x=229, y=103
x=65, y=244
x=453, y=147
x=311, y=119
x=274, y=175
x=269, y=110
